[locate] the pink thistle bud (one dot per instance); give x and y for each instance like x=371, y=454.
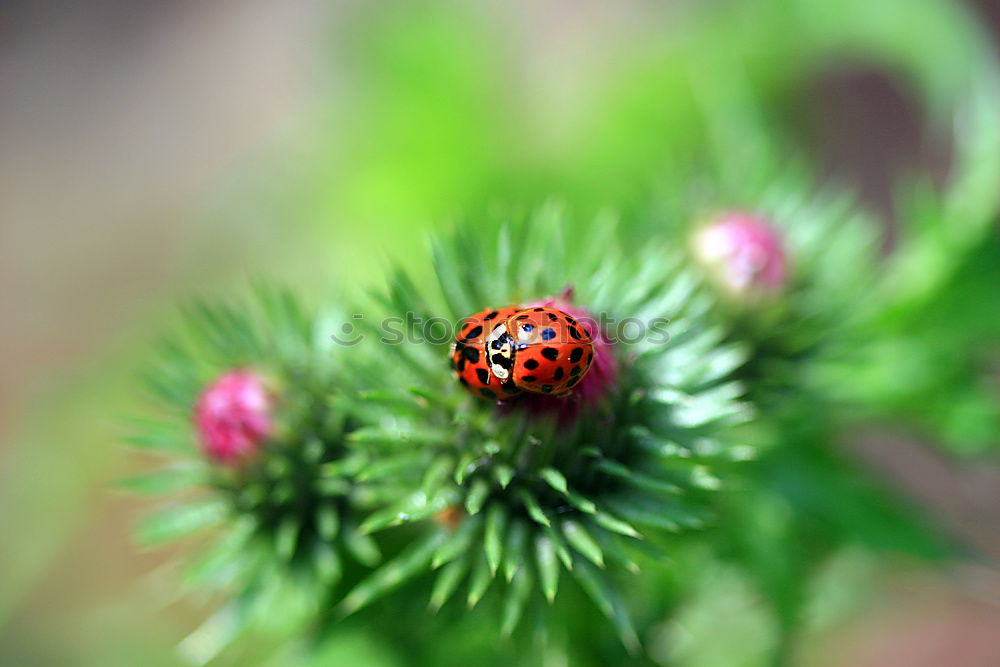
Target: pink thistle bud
x=745, y=254
x=598, y=380
x=233, y=416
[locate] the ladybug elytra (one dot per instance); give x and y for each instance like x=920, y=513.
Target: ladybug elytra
x=469, y=360
x=538, y=350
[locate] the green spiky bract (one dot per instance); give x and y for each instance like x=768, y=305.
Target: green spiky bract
x=547, y=503
x=803, y=499
x=284, y=525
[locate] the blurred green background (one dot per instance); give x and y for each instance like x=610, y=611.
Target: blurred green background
x=151, y=150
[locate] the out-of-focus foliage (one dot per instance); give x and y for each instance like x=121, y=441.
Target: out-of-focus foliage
x=667, y=114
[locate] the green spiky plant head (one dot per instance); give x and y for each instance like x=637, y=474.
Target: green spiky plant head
x=536, y=500
x=798, y=291
x=282, y=517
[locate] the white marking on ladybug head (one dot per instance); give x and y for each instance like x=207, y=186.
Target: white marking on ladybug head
x=499, y=350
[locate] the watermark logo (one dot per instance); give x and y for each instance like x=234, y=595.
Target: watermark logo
x=412, y=328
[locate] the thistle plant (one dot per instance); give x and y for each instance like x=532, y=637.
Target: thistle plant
x=742, y=319
x=248, y=404
x=315, y=448
x=797, y=280
x=551, y=490
x=343, y=465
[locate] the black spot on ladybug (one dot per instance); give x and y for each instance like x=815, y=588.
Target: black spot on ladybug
x=550, y=353
x=538, y=310
x=531, y=364
x=483, y=375
x=552, y=317
x=529, y=379
x=546, y=389
x=472, y=354
x=574, y=332
x=465, y=383
x=590, y=358
x=460, y=365
x=572, y=383
x=558, y=375
x=475, y=333
x=500, y=360
x=576, y=354
x=487, y=392
x=570, y=320
x=522, y=317
x=548, y=334
x=491, y=315
x=575, y=371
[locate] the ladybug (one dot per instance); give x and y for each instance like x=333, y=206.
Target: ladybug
x=540, y=350
x=469, y=360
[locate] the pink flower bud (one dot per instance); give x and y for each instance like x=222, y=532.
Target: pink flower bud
x=598, y=380
x=745, y=254
x=233, y=416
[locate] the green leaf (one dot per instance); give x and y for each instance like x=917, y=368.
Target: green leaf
x=514, y=551
x=211, y=637
x=327, y=561
x=481, y=579
x=313, y=451
x=613, y=549
x=393, y=467
x=165, y=480
x=414, y=507
x=556, y=480
x=392, y=574
x=585, y=505
x=364, y=549
x=179, y=521
x=532, y=507
x=496, y=522
x=328, y=487
x=582, y=541
x=658, y=513
x=327, y=521
x=504, y=474
x=638, y=480
x=450, y=282
x=466, y=466
x=513, y=607
x=548, y=566
x=448, y=579
x=562, y=551
x=166, y=441
x=375, y=435
x=436, y=474
x=392, y=400
x=346, y=467
x=598, y=588
x=616, y=525
x=478, y=494
x=222, y=559
x=286, y=537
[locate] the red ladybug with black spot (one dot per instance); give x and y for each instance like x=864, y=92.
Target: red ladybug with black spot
x=469, y=358
x=540, y=350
